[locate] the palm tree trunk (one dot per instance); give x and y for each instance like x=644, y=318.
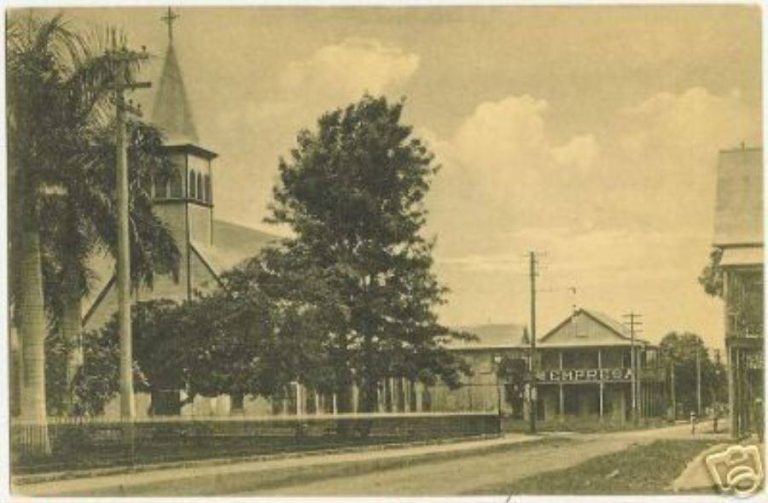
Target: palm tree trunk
x=16, y=373
x=32, y=331
x=71, y=328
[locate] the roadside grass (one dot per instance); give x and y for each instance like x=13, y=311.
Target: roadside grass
x=646, y=469
x=589, y=424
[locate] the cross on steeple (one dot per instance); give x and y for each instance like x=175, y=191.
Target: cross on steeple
x=168, y=19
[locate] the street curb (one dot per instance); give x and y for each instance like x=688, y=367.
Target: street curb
x=241, y=479
x=22, y=480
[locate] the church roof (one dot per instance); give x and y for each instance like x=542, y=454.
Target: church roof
x=739, y=206
x=172, y=112
x=234, y=243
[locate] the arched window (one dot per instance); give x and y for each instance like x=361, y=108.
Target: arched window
x=192, y=185
x=200, y=194
x=175, y=184
x=208, y=195
x=161, y=187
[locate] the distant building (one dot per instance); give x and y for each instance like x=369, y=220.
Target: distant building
x=584, y=372
x=483, y=390
x=739, y=239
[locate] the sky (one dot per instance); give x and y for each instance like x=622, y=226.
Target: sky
x=587, y=134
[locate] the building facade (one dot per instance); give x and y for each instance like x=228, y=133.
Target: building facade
x=589, y=369
x=739, y=244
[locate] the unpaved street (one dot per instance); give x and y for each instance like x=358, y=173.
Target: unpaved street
x=477, y=474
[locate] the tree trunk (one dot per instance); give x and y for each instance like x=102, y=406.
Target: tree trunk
x=32, y=331
x=71, y=328
x=165, y=402
x=387, y=394
x=369, y=397
x=16, y=373
x=236, y=407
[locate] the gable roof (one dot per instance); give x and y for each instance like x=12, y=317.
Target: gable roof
x=234, y=244
x=739, y=203
x=615, y=327
x=491, y=336
x=172, y=112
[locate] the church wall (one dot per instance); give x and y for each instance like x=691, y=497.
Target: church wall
x=202, y=278
x=200, y=223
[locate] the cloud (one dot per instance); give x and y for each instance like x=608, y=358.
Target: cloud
x=688, y=122
x=332, y=76
x=625, y=209
x=341, y=72
x=504, y=171
x=580, y=152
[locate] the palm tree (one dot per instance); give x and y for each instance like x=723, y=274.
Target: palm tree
x=35, y=70
x=82, y=223
x=58, y=90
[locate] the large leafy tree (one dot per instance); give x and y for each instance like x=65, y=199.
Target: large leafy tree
x=680, y=350
x=353, y=192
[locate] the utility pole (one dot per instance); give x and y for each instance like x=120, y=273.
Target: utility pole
x=533, y=397
x=715, y=390
x=672, y=386
x=633, y=323
x=121, y=58
x=698, y=382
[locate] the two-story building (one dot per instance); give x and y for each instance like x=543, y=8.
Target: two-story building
x=585, y=372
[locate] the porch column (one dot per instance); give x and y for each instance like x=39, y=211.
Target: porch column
x=560, y=388
x=355, y=398
x=633, y=381
x=600, y=373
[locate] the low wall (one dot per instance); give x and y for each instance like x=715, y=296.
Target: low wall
x=91, y=443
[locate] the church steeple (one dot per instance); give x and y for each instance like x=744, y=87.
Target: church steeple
x=172, y=112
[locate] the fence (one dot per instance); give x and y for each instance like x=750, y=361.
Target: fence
x=103, y=442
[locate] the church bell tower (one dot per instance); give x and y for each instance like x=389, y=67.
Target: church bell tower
x=185, y=200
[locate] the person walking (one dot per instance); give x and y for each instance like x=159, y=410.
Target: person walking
x=694, y=420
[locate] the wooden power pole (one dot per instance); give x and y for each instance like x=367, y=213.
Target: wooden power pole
x=121, y=59
x=635, y=365
x=533, y=392
x=698, y=382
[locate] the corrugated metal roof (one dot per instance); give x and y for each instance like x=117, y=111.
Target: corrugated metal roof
x=489, y=336
x=739, y=205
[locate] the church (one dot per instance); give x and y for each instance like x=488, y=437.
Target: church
x=186, y=203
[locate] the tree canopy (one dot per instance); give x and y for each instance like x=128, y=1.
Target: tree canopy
x=680, y=349
x=353, y=192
